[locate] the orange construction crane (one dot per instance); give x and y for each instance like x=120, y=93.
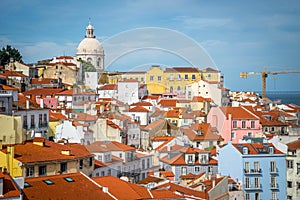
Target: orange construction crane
x=264, y=76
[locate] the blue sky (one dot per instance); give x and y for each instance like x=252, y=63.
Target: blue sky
x=235, y=35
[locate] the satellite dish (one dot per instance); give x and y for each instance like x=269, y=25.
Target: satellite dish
x=20, y=164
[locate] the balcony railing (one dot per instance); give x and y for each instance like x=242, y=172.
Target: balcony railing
x=274, y=186
x=253, y=187
x=252, y=171
x=273, y=170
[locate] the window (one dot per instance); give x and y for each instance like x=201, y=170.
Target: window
x=247, y=182
x=148, y=163
x=249, y=134
x=247, y=167
x=171, y=88
x=143, y=164
x=171, y=77
x=274, y=196
x=289, y=184
x=30, y=171
x=256, y=196
x=186, y=77
x=80, y=164
x=272, y=166
x=159, y=78
x=298, y=168
x=256, y=182
x=151, y=78
x=289, y=197
x=245, y=150
x=197, y=169
x=40, y=120
x=232, y=135
x=290, y=164
x=252, y=124
x=178, y=89
x=91, y=161
x=32, y=121
x=178, y=77
x=298, y=185
x=45, y=119
x=193, y=77
x=25, y=125
x=273, y=181
x=243, y=124
x=247, y=196
x=256, y=166
x=109, y=172
x=42, y=170
x=63, y=167
x=234, y=124
x=183, y=170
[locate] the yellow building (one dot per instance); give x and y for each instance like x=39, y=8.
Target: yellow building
x=171, y=80
x=66, y=71
x=155, y=81
x=42, y=157
x=211, y=75
x=11, y=129
x=139, y=76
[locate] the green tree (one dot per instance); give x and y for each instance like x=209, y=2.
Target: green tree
x=87, y=67
x=7, y=53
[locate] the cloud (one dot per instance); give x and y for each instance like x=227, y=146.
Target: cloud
x=199, y=22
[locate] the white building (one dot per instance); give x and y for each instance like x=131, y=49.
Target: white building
x=91, y=80
x=206, y=89
x=91, y=50
x=128, y=91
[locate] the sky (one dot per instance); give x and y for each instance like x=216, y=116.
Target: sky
x=230, y=36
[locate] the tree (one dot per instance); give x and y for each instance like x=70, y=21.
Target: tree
x=87, y=67
x=7, y=53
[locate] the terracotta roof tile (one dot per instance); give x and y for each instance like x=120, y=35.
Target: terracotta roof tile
x=142, y=103
x=108, y=146
x=256, y=148
x=294, y=145
x=237, y=113
x=79, y=187
x=51, y=151
x=6, y=87
x=139, y=109
x=182, y=69
x=167, y=102
x=109, y=87
x=9, y=188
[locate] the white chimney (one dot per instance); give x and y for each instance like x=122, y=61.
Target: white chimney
x=42, y=103
x=27, y=104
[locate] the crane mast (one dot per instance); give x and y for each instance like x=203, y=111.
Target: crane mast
x=264, y=74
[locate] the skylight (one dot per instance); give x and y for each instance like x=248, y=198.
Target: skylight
x=48, y=182
x=26, y=185
x=68, y=179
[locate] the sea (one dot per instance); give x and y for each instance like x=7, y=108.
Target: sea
x=286, y=97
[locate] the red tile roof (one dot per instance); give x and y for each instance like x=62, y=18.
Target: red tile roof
x=75, y=92
x=167, y=102
x=237, y=113
x=201, y=99
x=9, y=188
x=9, y=73
x=44, y=81
x=142, y=103
x=151, y=97
x=6, y=87
x=122, y=189
x=85, y=117
x=109, y=87
x=43, y=91
x=108, y=146
x=294, y=145
x=172, y=114
x=256, y=148
x=205, y=132
x=182, y=69
x=139, y=109
x=78, y=187
x=51, y=151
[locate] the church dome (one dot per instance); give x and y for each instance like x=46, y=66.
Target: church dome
x=89, y=45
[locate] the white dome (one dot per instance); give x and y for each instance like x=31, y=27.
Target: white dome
x=89, y=46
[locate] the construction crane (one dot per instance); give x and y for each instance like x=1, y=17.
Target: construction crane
x=264, y=76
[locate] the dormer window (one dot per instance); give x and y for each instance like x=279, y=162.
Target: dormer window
x=245, y=150
x=199, y=132
x=271, y=150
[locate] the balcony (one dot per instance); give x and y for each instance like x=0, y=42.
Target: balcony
x=274, y=186
x=273, y=170
x=252, y=171
x=253, y=187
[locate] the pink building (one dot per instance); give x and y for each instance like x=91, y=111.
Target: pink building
x=233, y=123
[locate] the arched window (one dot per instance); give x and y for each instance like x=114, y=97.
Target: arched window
x=171, y=88
x=89, y=60
x=98, y=62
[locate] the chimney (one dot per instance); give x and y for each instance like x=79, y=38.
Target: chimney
x=213, y=182
x=42, y=103
x=27, y=104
